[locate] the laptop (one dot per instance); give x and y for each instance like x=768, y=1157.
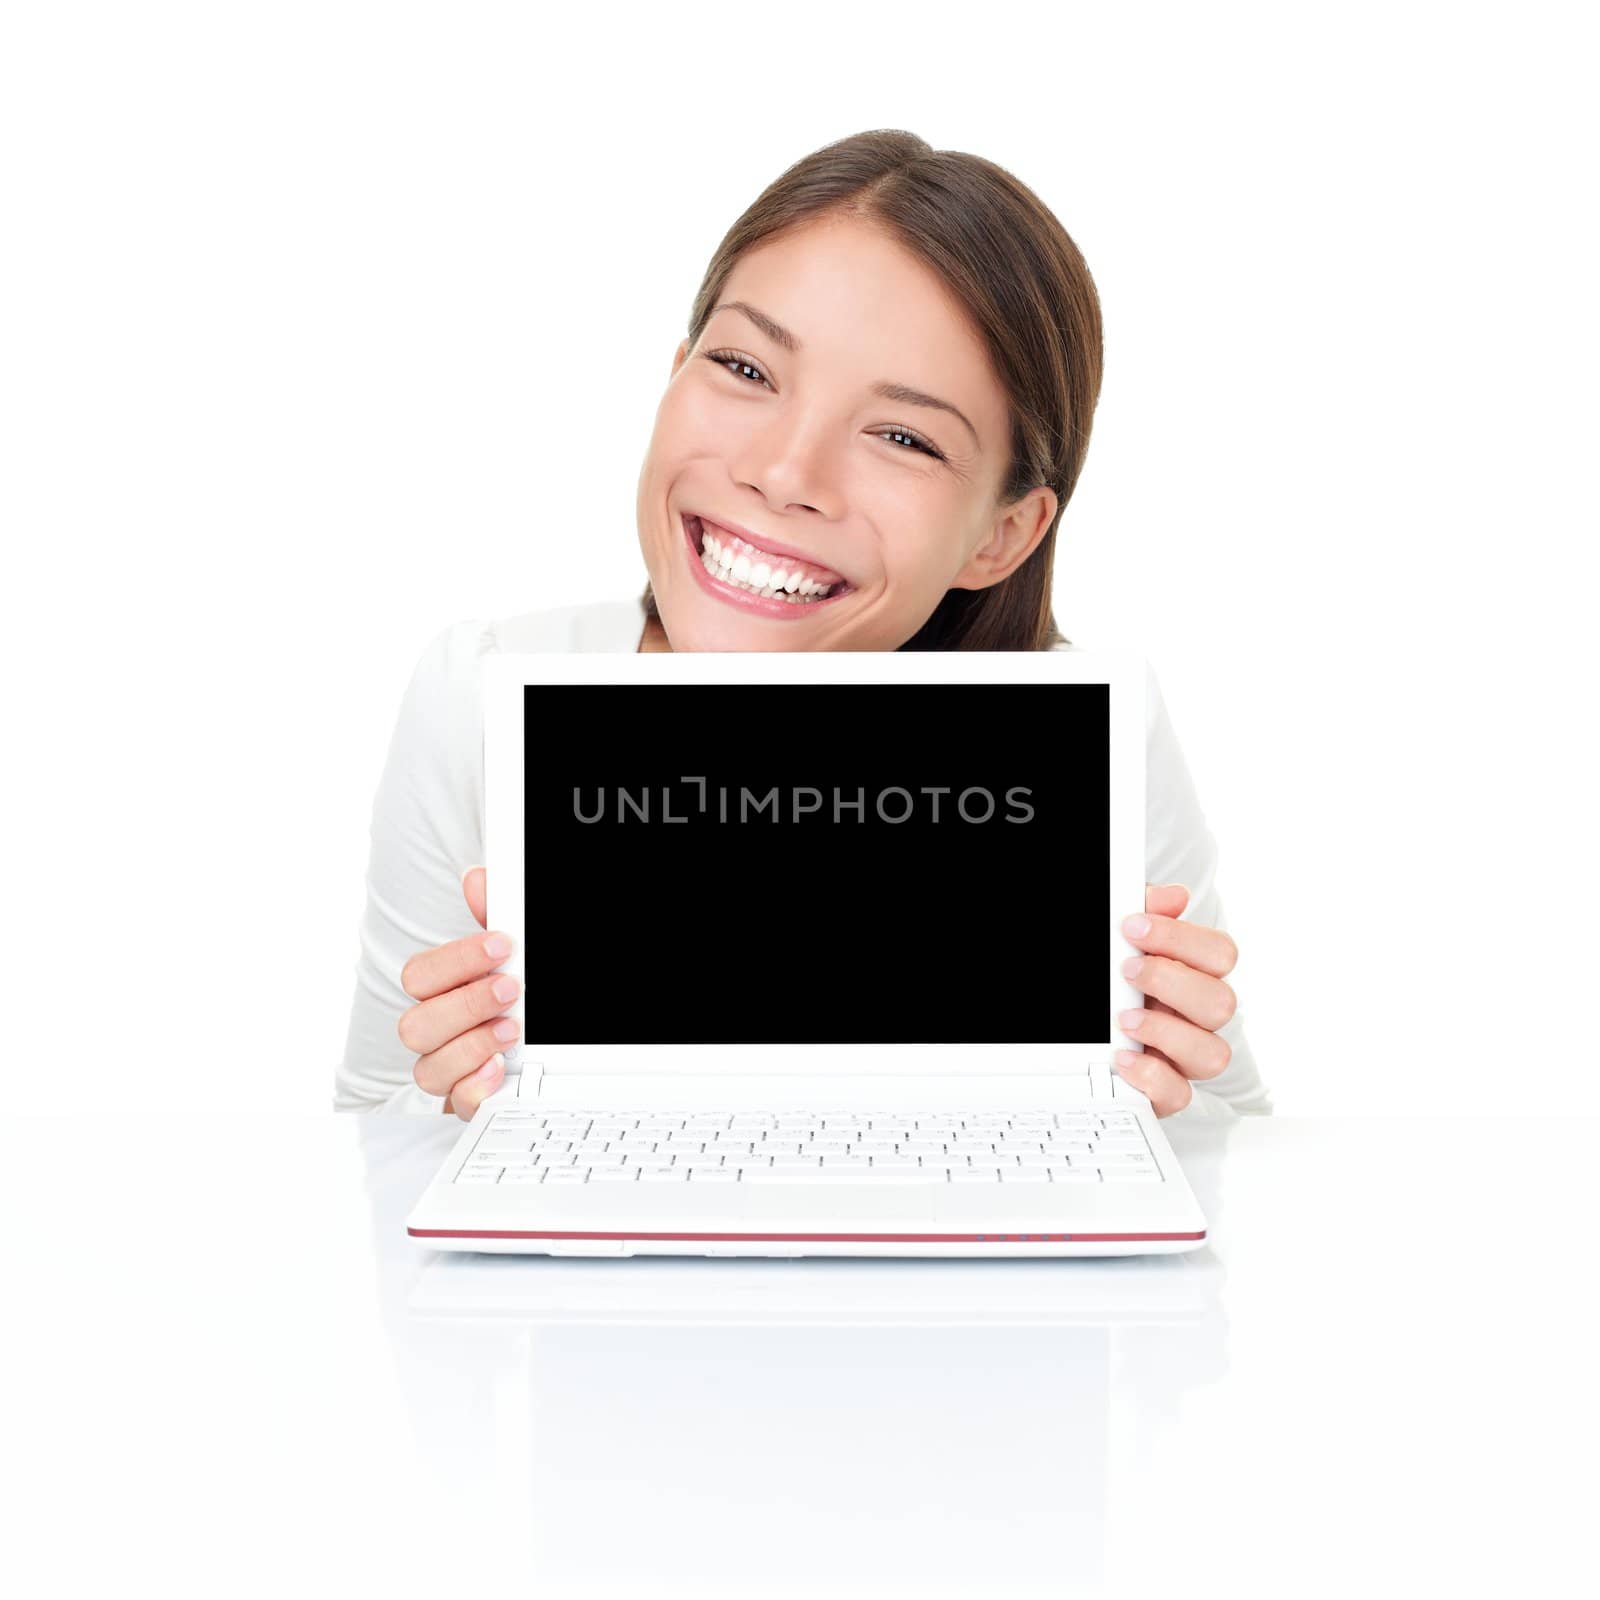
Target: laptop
x=820, y=956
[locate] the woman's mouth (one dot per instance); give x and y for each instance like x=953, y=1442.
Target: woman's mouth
x=742, y=573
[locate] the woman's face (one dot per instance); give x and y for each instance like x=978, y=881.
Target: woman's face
x=841, y=505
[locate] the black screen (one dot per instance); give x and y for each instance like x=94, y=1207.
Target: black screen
x=817, y=864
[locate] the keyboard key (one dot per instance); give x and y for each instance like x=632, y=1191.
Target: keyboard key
x=833, y=1175
x=976, y=1175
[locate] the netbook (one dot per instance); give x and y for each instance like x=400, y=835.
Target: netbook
x=820, y=955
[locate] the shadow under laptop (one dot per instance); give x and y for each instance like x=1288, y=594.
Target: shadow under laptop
x=743, y=1425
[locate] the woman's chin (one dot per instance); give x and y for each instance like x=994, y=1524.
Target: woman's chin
x=697, y=631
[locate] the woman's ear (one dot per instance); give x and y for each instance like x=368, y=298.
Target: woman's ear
x=1013, y=538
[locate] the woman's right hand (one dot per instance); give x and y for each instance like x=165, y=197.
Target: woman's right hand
x=458, y=1027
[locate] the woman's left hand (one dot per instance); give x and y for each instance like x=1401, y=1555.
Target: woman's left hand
x=1186, y=1000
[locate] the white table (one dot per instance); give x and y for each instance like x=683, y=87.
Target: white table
x=230, y=1371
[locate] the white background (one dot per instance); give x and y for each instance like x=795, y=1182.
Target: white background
x=325, y=326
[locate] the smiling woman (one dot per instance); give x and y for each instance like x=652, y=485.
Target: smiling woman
x=878, y=415
x=866, y=442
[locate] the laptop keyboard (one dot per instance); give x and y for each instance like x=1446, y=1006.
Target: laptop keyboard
x=565, y=1147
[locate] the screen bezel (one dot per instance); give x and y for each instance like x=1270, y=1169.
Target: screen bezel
x=504, y=680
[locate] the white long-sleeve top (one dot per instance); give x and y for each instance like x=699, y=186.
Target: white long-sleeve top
x=427, y=829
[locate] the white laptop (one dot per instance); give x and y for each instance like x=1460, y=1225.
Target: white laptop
x=820, y=955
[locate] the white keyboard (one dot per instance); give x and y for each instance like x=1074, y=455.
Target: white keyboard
x=562, y=1147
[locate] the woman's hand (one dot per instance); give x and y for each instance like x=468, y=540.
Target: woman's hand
x=1186, y=1000
x=458, y=1028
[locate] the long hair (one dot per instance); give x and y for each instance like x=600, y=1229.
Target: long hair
x=1026, y=287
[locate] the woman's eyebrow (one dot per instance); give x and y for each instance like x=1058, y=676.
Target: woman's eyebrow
x=902, y=393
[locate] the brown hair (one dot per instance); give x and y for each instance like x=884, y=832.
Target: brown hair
x=1025, y=285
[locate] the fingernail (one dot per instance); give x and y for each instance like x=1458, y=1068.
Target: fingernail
x=497, y=947
x=505, y=990
x=1133, y=966
x=466, y=870
x=1126, y=1058
x=1136, y=927
x=1131, y=1021
x=506, y=1029
x=492, y=1067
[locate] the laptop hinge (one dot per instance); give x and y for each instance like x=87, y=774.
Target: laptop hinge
x=528, y=1083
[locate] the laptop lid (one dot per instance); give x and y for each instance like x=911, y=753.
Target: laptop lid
x=817, y=863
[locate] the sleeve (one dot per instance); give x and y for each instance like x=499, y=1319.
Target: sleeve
x=426, y=830
x=1180, y=848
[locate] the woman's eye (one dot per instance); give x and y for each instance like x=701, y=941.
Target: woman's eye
x=917, y=441
x=738, y=364
x=731, y=359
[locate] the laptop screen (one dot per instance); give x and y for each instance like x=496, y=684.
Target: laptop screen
x=905, y=863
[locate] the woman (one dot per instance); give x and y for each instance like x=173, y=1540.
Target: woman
x=866, y=443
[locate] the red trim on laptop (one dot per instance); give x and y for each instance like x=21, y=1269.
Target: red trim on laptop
x=819, y=1238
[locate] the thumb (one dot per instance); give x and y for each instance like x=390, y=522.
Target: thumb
x=475, y=886
x=1166, y=899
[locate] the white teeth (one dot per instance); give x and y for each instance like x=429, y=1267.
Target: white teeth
x=717, y=564
x=759, y=577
